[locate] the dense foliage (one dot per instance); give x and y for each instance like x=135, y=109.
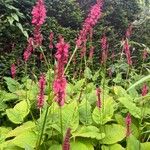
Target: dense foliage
x=66, y=96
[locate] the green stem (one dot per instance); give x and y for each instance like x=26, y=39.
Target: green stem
x=61, y=125
x=42, y=131
x=71, y=59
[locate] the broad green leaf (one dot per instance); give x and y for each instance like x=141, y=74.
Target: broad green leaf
x=118, y=78
x=9, y=97
x=139, y=82
x=112, y=147
x=89, y=132
x=105, y=114
x=3, y=133
x=134, y=129
x=55, y=147
x=113, y=133
x=25, y=139
x=85, y=114
x=132, y=108
x=80, y=146
x=15, y=16
x=132, y=143
x=145, y=146
x=18, y=113
x=27, y=126
x=121, y=92
x=12, y=84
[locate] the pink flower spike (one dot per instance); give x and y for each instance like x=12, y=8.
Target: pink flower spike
x=144, y=90
x=39, y=13
x=59, y=85
x=66, y=143
x=51, y=36
x=98, y=103
x=42, y=83
x=13, y=71
x=91, y=20
x=128, y=124
x=91, y=53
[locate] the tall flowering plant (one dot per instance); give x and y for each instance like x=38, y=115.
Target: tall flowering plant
x=38, y=19
x=59, y=85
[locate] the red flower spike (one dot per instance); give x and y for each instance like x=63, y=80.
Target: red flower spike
x=28, y=50
x=13, y=71
x=128, y=122
x=59, y=85
x=51, y=36
x=42, y=83
x=91, y=20
x=144, y=90
x=126, y=48
x=98, y=103
x=39, y=13
x=66, y=143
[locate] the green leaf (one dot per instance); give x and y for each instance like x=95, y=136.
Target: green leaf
x=22, y=30
x=85, y=112
x=18, y=113
x=112, y=147
x=80, y=146
x=132, y=143
x=55, y=147
x=12, y=84
x=118, y=78
x=132, y=108
x=89, y=132
x=139, y=82
x=145, y=146
x=88, y=73
x=27, y=126
x=121, y=92
x=113, y=133
x=15, y=16
x=10, y=20
x=105, y=114
x=26, y=139
x=9, y=97
x=3, y=133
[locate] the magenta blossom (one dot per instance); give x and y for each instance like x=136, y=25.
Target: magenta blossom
x=42, y=83
x=126, y=48
x=51, y=36
x=13, y=71
x=39, y=13
x=28, y=50
x=91, y=20
x=128, y=124
x=66, y=143
x=98, y=103
x=144, y=90
x=59, y=85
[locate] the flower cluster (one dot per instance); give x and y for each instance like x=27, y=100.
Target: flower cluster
x=91, y=52
x=145, y=54
x=104, y=46
x=129, y=31
x=59, y=85
x=126, y=48
x=90, y=22
x=128, y=124
x=28, y=50
x=51, y=36
x=144, y=90
x=98, y=103
x=13, y=71
x=42, y=83
x=38, y=18
x=66, y=143
x=38, y=13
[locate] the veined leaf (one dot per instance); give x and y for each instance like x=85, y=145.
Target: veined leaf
x=89, y=132
x=113, y=133
x=112, y=147
x=105, y=114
